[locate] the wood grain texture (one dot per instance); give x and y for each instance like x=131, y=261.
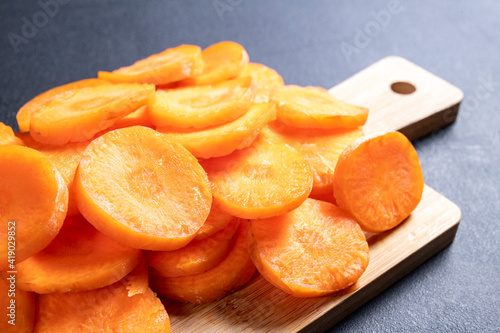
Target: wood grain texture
x=259, y=307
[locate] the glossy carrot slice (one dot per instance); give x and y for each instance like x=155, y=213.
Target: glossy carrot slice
x=24, y=114
x=17, y=307
x=78, y=115
x=314, y=250
x=379, y=180
x=203, y=106
x=125, y=306
x=321, y=149
x=171, y=65
x=265, y=78
x=139, y=186
x=217, y=220
x=33, y=203
x=260, y=181
x=140, y=117
x=222, y=140
x=313, y=107
x=194, y=258
x=80, y=258
x=7, y=136
x=222, y=61
x=65, y=158
x=231, y=274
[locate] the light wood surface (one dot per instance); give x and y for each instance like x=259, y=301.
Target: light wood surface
x=259, y=307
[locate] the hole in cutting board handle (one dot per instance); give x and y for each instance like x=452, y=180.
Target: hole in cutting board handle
x=403, y=88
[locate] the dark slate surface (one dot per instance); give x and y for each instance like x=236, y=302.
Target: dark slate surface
x=456, y=291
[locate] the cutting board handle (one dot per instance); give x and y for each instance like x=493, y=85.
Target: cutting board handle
x=401, y=97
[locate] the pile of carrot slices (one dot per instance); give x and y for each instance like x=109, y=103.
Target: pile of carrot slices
x=182, y=176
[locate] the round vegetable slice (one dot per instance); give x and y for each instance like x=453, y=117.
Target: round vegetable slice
x=80, y=258
x=379, y=180
x=77, y=115
x=33, y=203
x=7, y=136
x=222, y=61
x=196, y=257
x=217, y=220
x=265, y=78
x=314, y=250
x=202, y=106
x=222, y=140
x=260, y=181
x=313, y=107
x=171, y=65
x=231, y=274
x=143, y=189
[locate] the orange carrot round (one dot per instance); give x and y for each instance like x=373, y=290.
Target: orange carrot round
x=314, y=250
x=143, y=189
x=196, y=257
x=313, y=107
x=260, y=181
x=217, y=220
x=7, y=136
x=171, y=65
x=24, y=114
x=379, y=180
x=231, y=274
x=125, y=306
x=265, y=78
x=80, y=258
x=33, y=203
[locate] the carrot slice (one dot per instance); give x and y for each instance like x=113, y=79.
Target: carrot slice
x=203, y=106
x=222, y=140
x=313, y=107
x=120, y=307
x=321, y=149
x=138, y=186
x=80, y=258
x=231, y=274
x=33, y=203
x=65, y=158
x=18, y=307
x=194, y=258
x=314, y=250
x=7, y=136
x=171, y=65
x=24, y=114
x=222, y=61
x=217, y=220
x=379, y=180
x=265, y=78
x=260, y=181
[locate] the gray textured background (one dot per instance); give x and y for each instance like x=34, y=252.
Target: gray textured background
x=457, y=290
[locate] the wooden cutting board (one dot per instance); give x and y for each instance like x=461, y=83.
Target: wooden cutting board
x=401, y=96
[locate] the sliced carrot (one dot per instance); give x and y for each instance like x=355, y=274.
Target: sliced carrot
x=24, y=114
x=65, y=158
x=222, y=140
x=139, y=186
x=7, y=136
x=80, y=258
x=313, y=107
x=265, y=78
x=328, y=197
x=18, y=307
x=231, y=274
x=379, y=180
x=77, y=115
x=140, y=117
x=33, y=203
x=171, y=65
x=202, y=106
x=217, y=220
x=110, y=309
x=260, y=181
x=194, y=258
x=222, y=61
x=314, y=250
x=321, y=149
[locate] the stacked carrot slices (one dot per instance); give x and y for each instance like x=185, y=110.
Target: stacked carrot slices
x=201, y=166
